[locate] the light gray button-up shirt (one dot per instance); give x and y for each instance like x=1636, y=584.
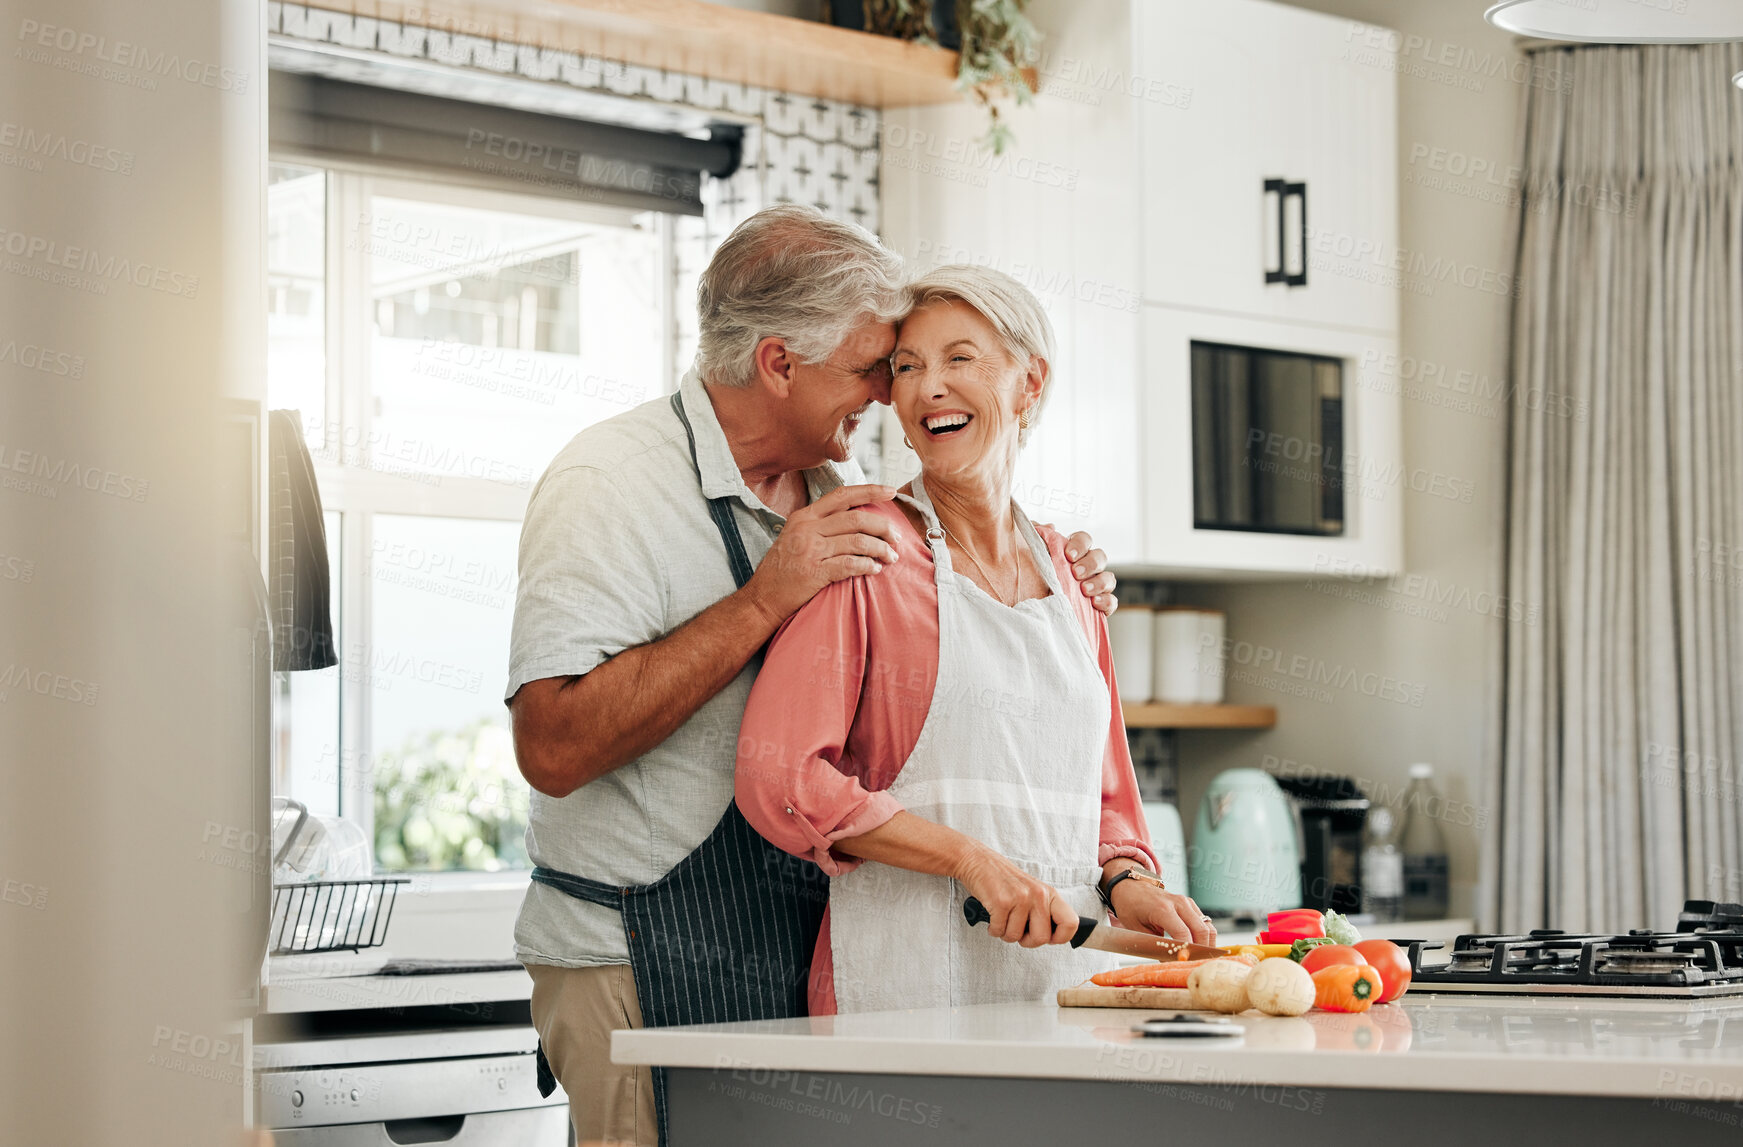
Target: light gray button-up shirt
x=618, y=550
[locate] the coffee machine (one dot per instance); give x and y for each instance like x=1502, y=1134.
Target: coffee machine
x=1333, y=812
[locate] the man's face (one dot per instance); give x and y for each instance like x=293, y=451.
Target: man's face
x=829, y=398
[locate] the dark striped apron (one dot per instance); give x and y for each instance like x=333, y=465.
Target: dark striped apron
x=727, y=934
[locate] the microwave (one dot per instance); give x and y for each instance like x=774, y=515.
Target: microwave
x=1268, y=449
x=1267, y=440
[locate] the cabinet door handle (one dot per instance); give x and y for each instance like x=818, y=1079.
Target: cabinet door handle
x=1279, y=188
x=1298, y=192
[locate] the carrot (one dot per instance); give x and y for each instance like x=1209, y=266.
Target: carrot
x=1167, y=974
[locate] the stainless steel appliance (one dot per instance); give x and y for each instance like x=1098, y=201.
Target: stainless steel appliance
x=462, y=1086
x=1333, y=815
x=1267, y=440
x=1703, y=957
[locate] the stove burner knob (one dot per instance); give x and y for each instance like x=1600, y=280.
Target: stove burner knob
x=356, y=1095
x=296, y=1099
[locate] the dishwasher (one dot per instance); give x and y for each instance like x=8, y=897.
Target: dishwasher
x=470, y=1086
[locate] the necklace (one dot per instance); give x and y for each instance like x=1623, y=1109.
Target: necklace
x=1016, y=589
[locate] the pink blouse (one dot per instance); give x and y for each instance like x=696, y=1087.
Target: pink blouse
x=838, y=706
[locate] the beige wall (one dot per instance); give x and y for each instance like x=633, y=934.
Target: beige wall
x=125, y=799
x=1460, y=93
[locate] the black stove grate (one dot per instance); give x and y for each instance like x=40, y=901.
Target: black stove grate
x=1706, y=952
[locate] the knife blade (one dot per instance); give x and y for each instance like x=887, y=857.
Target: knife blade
x=1092, y=933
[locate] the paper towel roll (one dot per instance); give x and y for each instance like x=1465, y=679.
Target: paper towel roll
x=1212, y=662
x=1131, y=632
x=1177, y=655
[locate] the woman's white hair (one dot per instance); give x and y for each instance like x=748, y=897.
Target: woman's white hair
x=1013, y=310
x=793, y=273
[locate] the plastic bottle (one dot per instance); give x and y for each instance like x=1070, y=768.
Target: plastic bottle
x=1424, y=848
x=1382, y=866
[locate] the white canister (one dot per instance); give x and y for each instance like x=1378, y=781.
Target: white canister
x=1131, y=632
x=1212, y=661
x=1177, y=655
x=1168, y=840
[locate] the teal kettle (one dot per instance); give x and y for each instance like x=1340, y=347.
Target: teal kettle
x=1245, y=853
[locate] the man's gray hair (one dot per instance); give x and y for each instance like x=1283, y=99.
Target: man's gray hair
x=793, y=273
x=1013, y=310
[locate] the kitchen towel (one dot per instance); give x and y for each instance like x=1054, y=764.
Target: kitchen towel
x=298, y=584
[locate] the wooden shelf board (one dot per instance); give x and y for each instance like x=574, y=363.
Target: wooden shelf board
x=711, y=40
x=1160, y=715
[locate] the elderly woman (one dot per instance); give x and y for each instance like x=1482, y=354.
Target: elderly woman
x=951, y=727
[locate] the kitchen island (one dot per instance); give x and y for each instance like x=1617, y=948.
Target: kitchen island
x=1432, y=1068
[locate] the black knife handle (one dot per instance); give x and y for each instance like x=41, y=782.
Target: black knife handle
x=975, y=913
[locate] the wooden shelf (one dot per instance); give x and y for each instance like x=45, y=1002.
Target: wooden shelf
x=1159, y=715
x=711, y=40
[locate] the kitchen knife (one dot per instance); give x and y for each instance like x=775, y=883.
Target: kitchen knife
x=1091, y=933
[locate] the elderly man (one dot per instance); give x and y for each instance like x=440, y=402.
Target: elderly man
x=661, y=550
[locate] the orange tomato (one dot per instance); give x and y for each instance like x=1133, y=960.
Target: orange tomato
x=1392, y=963
x=1327, y=955
x=1346, y=988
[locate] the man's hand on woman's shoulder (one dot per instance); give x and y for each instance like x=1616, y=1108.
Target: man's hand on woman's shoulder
x=831, y=539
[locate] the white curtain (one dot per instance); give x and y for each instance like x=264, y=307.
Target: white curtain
x=1622, y=736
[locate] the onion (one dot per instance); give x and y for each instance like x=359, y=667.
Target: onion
x=1280, y=987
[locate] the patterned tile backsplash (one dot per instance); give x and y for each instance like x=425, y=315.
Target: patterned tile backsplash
x=797, y=149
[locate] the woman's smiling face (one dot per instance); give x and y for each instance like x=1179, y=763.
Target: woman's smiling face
x=957, y=391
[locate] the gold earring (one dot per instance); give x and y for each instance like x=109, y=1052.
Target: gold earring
x=1023, y=418
x=906, y=443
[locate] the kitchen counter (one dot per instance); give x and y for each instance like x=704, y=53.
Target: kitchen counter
x=464, y=992
x=1002, y=1070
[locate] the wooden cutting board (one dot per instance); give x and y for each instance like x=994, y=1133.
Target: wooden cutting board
x=1088, y=995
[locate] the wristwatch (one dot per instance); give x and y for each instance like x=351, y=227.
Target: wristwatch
x=1106, y=891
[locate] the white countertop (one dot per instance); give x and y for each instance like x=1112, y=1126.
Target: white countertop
x=468, y=991
x=1545, y=1045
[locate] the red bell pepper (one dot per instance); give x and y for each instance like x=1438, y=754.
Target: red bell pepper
x=1292, y=925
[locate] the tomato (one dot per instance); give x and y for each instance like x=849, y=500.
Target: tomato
x=1393, y=964
x=1346, y=988
x=1327, y=955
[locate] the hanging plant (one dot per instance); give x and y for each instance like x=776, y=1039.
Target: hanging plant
x=996, y=38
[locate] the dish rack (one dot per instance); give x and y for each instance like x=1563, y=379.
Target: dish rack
x=327, y=915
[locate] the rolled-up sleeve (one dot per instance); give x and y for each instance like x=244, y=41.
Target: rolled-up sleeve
x=792, y=782
x=591, y=584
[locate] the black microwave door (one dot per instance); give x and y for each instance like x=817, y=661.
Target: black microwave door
x=1267, y=440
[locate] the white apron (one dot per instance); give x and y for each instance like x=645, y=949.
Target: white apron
x=1011, y=755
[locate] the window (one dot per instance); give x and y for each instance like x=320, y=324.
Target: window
x=441, y=345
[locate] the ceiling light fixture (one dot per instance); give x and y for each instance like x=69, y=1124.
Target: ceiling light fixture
x=1621, y=21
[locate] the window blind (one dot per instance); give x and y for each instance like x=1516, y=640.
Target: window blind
x=340, y=123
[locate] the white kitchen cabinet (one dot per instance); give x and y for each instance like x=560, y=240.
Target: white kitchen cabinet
x=1276, y=94
x=1132, y=204
x=1058, y=212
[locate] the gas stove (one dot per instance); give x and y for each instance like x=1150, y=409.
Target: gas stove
x=1702, y=958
